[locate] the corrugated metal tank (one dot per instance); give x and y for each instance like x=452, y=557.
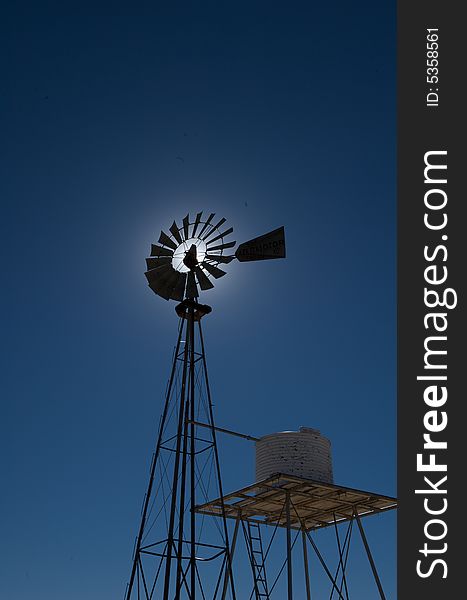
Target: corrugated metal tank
x=305, y=453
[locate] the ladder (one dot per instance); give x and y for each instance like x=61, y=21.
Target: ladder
x=257, y=559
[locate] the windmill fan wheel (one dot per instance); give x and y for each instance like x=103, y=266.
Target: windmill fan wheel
x=187, y=258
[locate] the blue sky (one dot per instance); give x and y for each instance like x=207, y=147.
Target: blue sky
x=283, y=116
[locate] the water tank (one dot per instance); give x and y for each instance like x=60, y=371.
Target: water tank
x=305, y=453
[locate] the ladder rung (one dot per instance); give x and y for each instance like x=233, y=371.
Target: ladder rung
x=257, y=557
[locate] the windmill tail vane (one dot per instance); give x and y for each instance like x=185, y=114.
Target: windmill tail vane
x=187, y=259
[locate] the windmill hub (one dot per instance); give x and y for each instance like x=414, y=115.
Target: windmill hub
x=183, y=256
x=191, y=260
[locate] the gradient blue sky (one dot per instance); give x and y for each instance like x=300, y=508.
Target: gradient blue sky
x=284, y=115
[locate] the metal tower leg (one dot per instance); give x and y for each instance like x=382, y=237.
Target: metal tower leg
x=153, y=466
x=217, y=465
x=191, y=416
x=305, y=565
x=289, y=548
x=173, y=506
x=370, y=558
x=324, y=565
x=232, y=550
x=342, y=561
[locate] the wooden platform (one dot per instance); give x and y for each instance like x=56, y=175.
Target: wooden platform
x=313, y=504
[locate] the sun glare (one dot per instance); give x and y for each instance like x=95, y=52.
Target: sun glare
x=182, y=249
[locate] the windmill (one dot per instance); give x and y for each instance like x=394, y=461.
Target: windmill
x=177, y=553
x=183, y=549
x=189, y=258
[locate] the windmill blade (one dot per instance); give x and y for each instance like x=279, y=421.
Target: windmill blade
x=206, y=224
x=160, y=289
x=162, y=283
x=197, y=220
x=166, y=241
x=214, y=227
x=219, y=258
x=171, y=282
x=223, y=246
x=157, y=262
x=204, y=282
x=186, y=223
x=221, y=235
x=159, y=251
x=191, y=288
x=214, y=271
x=178, y=291
x=160, y=275
x=174, y=231
x=265, y=247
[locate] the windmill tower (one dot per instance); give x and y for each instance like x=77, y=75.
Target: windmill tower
x=185, y=548
x=179, y=552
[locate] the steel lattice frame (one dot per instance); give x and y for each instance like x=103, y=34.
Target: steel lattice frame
x=180, y=459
